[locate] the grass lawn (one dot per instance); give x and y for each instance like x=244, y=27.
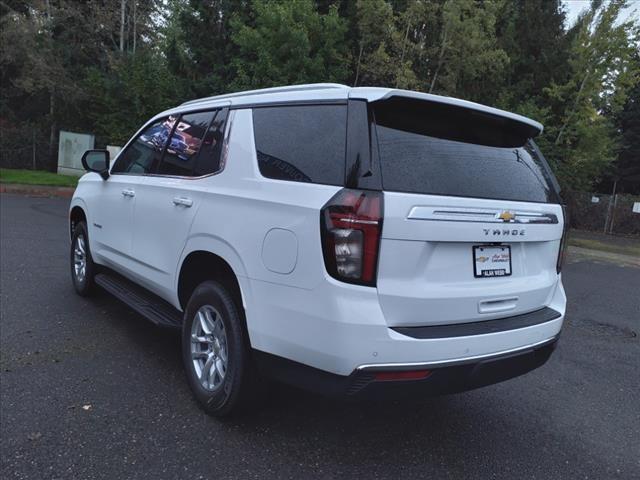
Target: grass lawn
x=605, y=247
x=605, y=243
x=36, y=177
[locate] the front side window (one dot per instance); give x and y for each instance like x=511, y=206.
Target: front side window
x=301, y=143
x=186, y=140
x=143, y=154
x=209, y=160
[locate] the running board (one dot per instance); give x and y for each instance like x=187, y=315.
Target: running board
x=147, y=304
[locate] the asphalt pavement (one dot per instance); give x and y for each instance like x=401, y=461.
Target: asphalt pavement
x=89, y=389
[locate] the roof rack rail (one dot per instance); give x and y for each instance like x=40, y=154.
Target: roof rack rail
x=290, y=88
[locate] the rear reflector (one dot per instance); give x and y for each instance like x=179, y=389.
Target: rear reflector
x=405, y=375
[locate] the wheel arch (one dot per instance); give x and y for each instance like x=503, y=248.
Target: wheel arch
x=76, y=214
x=201, y=264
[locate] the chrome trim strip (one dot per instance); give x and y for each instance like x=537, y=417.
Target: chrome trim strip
x=476, y=215
x=447, y=363
x=358, y=221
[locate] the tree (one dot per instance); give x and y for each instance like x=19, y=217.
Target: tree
x=49, y=49
x=469, y=62
x=581, y=139
x=34, y=65
x=288, y=43
x=374, y=65
x=626, y=167
x=197, y=42
x=533, y=35
x=132, y=91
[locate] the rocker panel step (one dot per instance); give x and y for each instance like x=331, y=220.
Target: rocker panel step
x=141, y=300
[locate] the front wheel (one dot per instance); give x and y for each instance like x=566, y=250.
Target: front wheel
x=82, y=266
x=216, y=352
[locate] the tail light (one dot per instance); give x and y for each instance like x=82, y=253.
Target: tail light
x=350, y=225
x=563, y=240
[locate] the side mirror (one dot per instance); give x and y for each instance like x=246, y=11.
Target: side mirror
x=97, y=161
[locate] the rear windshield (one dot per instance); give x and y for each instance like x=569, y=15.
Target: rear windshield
x=437, y=149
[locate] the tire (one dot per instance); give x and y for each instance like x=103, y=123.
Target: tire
x=83, y=269
x=223, y=357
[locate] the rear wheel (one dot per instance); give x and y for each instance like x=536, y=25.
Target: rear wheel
x=82, y=266
x=216, y=352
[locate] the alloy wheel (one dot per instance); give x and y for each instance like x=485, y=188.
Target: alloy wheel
x=209, y=353
x=80, y=259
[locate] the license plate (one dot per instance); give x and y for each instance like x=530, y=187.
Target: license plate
x=491, y=261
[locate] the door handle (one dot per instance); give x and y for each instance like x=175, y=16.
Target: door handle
x=128, y=193
x=185, y=202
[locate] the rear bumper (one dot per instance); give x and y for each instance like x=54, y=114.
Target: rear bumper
x=445, y=378
x=339, y=328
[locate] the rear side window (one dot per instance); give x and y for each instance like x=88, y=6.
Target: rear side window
x=301, y=143
x=434, y=149
x=143, y=154
x=182, y=150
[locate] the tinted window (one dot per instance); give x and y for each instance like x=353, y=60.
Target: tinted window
x=182, y=151
x=143, y=154
x=301, y=143
x=210, y=152
x=458, y=155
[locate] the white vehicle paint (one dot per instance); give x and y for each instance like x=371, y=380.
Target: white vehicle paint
x=144, y=225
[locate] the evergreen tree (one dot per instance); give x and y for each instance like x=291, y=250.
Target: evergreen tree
x=288, y=43
x=470, y=62
x=532, y=33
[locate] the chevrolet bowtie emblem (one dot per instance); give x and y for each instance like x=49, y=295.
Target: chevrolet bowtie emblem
x=506, y=216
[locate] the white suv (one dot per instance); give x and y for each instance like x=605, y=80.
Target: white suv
x=352, y=241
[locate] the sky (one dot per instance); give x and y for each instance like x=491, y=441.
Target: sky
x=575, y=7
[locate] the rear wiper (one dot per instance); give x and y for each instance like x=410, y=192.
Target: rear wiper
x=519, y=159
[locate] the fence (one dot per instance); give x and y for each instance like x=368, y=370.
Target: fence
x=26, y=148
x=603, y=213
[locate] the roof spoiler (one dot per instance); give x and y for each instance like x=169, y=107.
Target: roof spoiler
x=374, y=95
x=454, y=120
